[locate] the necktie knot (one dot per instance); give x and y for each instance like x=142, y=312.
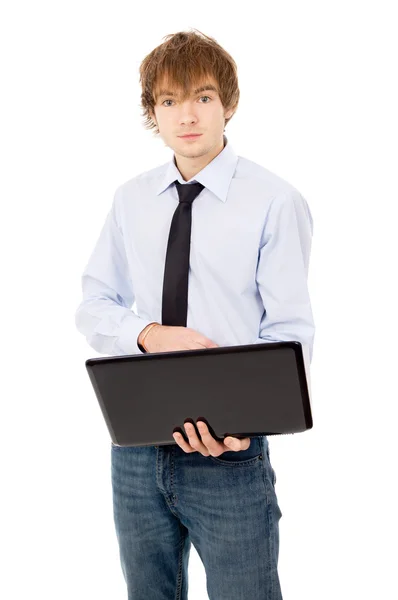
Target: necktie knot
x=188, y=192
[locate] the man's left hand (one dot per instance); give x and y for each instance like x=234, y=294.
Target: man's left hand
x=208, y=446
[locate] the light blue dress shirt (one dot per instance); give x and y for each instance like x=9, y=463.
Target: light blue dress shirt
x=250, y=249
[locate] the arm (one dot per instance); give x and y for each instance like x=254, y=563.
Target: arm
x=104, y=316
x=282, y=273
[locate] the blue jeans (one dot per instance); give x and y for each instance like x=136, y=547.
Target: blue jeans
x=165, y=498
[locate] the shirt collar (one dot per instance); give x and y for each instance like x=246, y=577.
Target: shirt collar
x=216, y=176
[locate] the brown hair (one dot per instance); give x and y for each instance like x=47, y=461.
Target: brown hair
x=184, y=60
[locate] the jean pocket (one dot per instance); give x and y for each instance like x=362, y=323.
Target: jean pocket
x=242, y=457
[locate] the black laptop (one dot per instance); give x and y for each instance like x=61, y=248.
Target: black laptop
x=243, y=391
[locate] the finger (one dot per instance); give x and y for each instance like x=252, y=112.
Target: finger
x=236, y=444
x=194, y=440
x=182, y=443
x=214, y=447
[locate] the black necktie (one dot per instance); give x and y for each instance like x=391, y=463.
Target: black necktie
x=175, y=282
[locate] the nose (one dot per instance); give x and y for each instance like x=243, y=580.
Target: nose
x=189, y=119
x=187, y=114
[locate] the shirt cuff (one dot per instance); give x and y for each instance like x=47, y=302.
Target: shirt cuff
x=130, y=330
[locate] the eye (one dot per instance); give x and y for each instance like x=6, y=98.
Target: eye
x=200, y=98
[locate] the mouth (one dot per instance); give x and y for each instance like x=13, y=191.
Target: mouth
x=190, y=137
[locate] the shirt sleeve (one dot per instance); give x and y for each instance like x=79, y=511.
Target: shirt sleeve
x=104, y=316
x=282, y=273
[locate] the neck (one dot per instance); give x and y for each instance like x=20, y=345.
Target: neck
x=189, y=167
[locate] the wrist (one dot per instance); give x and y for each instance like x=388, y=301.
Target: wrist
x=143, y=336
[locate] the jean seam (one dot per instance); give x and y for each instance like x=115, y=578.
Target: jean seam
x=180, y=563
x=269, y=520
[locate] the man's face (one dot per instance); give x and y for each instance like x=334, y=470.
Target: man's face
x=201, y=113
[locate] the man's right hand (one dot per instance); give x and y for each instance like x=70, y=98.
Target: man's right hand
x=167, y=338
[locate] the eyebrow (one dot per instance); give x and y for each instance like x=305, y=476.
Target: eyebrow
x=203, y=88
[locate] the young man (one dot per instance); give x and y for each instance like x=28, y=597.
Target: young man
x=250, y=239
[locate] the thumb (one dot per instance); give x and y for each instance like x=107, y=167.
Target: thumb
x=231, y=442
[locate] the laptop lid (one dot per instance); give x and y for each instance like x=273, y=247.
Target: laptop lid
x=243, y=391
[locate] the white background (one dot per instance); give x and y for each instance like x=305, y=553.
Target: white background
x=319, y=108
